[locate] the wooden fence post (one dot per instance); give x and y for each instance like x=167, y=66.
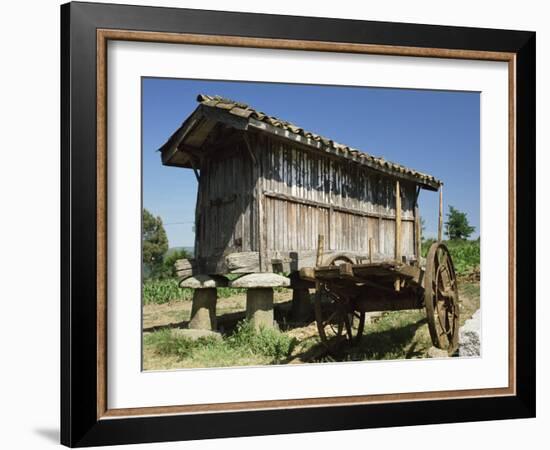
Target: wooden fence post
x=397, y=222
x=440, y=225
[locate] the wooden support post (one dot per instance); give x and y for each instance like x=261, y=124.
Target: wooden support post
x=198, y=220
x=261, y=232
x=320, y=249
x=418, y=232
x=397, y=222
x=194, y=167
x=397, y=284
x=440, y=225
x=371, y=250
x=329, y=231
x=258, y=205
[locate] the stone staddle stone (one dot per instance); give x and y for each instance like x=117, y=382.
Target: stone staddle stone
x=261, y=280
x=204, y=282
x=259, y=296
x=259, y=307
x=203, y=311
x=195, y=334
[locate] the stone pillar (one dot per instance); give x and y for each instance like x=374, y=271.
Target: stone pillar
x=203, y=311
x=259, y=296
x=259, y=307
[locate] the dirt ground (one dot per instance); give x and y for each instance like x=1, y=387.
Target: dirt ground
x=391, y=335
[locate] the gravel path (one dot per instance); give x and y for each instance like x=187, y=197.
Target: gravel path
x=470, y=336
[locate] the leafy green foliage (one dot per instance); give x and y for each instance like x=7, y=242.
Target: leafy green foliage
x=457, y=225
x=245, y=344
x=154, y=245
x=169, y=270
x=465, y=254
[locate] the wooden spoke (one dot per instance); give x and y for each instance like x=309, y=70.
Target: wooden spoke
x=441, y=298
x=335, y=314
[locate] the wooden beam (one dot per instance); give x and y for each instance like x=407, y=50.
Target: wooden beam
x=307, y=273
x=185, y=268
x=259, y=206
x=243, y=262
x=249, y=148
x=357, y=212
x=417, y=227
x=418, y=232
x=440, y=226
x=371, y=250
x=397, y=221
x=320, y=250
x=384, y=301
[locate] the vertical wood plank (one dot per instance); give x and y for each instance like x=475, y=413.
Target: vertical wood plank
x=320, y=249
x=397, y=221
x=418, y=234
x=440, y=224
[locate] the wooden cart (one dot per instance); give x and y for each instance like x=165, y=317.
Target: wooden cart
x=347, y=288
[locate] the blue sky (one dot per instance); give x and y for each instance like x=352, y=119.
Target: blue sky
x=436, y=132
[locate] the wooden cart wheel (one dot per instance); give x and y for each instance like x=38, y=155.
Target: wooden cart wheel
x=337, y=321
x=441, y=298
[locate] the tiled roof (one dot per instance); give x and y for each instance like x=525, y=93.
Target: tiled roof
x=245, y=111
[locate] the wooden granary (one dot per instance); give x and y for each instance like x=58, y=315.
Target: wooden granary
x=275, y=198
x=268, y=188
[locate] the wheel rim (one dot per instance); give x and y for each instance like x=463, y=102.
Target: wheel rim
x=441, y=298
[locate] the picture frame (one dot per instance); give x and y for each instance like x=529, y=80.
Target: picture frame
x=86, y=28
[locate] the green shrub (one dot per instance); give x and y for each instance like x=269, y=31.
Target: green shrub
x=265, y=342
x=465, y=254
x=245, y=342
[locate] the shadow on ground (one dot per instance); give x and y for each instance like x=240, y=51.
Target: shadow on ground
x=378, y=345
x=228, y=321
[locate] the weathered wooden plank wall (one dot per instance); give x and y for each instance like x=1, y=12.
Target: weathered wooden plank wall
x=309, y=194
x=225, y=213
x=298, y=195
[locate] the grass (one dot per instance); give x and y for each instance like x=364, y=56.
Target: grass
x=245, y=346
x=465, y=254
x=164, y=291
x=393, y=335
x=404, y=334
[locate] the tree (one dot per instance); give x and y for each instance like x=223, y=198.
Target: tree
x=154, y=244
x=170, y=260
x=457, y=225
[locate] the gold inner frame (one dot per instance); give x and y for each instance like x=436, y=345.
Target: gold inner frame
x=104, y=35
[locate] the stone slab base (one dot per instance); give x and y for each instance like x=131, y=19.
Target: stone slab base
x=195, y=334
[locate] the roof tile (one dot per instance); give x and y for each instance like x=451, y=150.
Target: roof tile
x=244, y=110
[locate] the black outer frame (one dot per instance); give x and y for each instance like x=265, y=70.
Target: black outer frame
x=79, y=424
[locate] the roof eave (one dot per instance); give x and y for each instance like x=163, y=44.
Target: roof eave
x=432, y=185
